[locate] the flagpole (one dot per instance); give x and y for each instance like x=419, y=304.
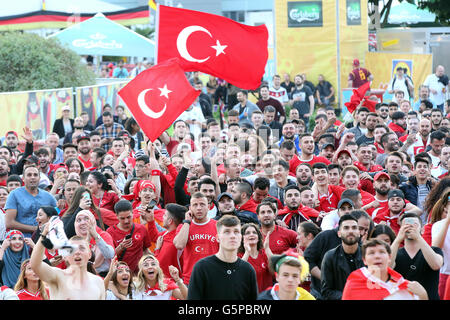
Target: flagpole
x=156, y=33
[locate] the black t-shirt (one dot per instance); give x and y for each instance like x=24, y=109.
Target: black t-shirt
x=214, y=279
x=417, y=269
x=364, y=139
x=303, y=104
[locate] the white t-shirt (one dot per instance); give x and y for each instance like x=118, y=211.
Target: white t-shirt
x=432, y=81
x=435, y=229
x=280, y=94
x=399, y=85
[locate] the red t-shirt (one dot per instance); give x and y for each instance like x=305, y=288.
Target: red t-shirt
x=330, y=201
x=359, y=76
x=141, y=241
x=295, y=161
x=201, y=243
x=27, y=295
x=391, y=221
x=109, y=199
x=282, y=239
x=261, y=266
x=86, y=164
x=171, y=146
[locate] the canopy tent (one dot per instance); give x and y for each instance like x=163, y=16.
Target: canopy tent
x=100, y=36
x=54, y=14
x=409, y=14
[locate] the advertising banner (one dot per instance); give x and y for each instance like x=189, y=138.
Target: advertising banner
x=305, y=14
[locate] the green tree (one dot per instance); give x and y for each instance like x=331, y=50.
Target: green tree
x=30, y=62
x=441, y=8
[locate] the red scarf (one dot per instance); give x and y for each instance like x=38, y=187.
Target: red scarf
x=361, y=285
x=302, y=210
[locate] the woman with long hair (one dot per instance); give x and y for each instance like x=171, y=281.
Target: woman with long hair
x=438, y=212
x=151, y=283
x=383, y=232
x=100, y=242
x=82, y=200
x=257, y=145
x=28, y=285
x=75, y=165
x=14, y=250
x=435, y=194
x=103, y=190
x=119, y=282
x=257, y=253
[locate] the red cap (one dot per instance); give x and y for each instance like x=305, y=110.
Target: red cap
x=381, y=174
x=343, y=151
x=356, y=62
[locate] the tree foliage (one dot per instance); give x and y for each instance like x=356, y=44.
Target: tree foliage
x=30, y=62
x=441, y=8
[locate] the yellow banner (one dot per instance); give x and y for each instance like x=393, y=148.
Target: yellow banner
x=382, y=66
x=36, y=109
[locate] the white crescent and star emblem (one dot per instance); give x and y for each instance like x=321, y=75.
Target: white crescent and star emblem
x=146, y=109
x=198, y=249
x=182, y=44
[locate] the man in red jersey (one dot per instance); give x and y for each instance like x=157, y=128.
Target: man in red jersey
x=165, y=251
x=307, y=147
x=327, y=194
x=130, y=239
x=281, y=238
x=358, y=76
x=196, y=236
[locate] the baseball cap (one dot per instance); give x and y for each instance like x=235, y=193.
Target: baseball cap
x=32, y=158
x=83, y=137
x=343, y=151
x=381, y=174
x=326, y=145
x=66, y=108
x=11, y=132
x=356, y=62
x=345, y=200
x=224, y=194
x=396, y=193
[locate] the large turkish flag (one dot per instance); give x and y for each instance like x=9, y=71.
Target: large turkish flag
x=157, y=96
x=214, y=45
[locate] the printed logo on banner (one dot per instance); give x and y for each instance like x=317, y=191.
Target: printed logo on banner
x=405, y=64
x=305, y=14
x=353, y=12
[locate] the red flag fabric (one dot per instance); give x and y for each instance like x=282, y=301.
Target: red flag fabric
x=361, y=91
x=353, y=104
x=370, y=104
x=157, y=96
x=212, y=44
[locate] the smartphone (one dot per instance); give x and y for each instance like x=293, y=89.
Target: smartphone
x=128, y=236
x=151, y=205
x=409, y=221
x=87, y=196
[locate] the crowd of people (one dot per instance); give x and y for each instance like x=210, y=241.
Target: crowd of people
x=277, y=199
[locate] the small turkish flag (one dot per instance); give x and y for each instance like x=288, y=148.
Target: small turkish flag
x=157, y=96
x=212, y=44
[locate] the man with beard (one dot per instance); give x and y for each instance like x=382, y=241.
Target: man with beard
x=281, y=180
x=84, y=150
x=108, y=130
x=4, y=171
x=360, y=119
x=267, y=100
x=281, y=238
x=382, y=110
x=307, y=147
x=12, y=140
x=213, y=129
x=78, y=129
x=371, y=122
x=288, y=134
x=226, y=206
x=382, y=185
x=344, y=158
x=396, y=207
x=421, y=139
x=302, y=99
x=424, y=94
x=304, y=175
x=207, y=187
x=307, y=197
x=287, y=150
x=390, y=143
x=242, y=194
x=244, y=107
x=413, y=127
x=45, y=166
x=327, y=151
x=180, y=131
x=269, y=120
x=442, y=169
x=294, y=212
x=338, y=263
x=331, y=220
x=436, y=119
x=23, y=203
x=398, y=124
x=437, y=141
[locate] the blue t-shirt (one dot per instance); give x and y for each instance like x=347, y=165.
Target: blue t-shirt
x=28, y=205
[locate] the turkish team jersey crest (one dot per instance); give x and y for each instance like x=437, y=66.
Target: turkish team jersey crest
x=201, y=243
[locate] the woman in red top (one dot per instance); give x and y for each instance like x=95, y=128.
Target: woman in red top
x=439, y=212
x=257, y=253
x=104, y=191
x=28, y=285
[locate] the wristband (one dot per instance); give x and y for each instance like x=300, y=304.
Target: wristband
x=156, y=172
x=187, y=221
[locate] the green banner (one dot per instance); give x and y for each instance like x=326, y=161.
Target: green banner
x=305, y=14
x=353, y=12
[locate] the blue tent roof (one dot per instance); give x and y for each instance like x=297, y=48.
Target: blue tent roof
x=104, y=37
